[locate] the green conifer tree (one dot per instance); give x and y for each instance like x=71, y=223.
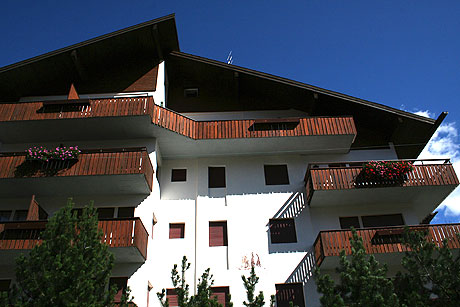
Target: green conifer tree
x=250, y=286
x=71, y=267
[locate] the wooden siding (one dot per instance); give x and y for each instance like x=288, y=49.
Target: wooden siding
x=170, y=120
x=380, y=240
x=120, y=232
x=90, y=162
x=344, y=178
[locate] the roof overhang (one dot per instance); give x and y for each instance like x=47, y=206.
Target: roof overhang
x=108, y=63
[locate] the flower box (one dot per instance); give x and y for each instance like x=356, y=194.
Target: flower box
x=385, y=171
x=44, y=154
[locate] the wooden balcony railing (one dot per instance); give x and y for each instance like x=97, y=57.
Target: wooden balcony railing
x=120, y=232
x=381, y=240
x=90, y=162
x=343, y=176
x=229, y=129
x=168, y=119
x=82, y=108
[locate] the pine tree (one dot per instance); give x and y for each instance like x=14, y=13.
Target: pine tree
x=203, y=298
x=430, y=272
x=71, y=267
x=363, y=281
x=250, y=286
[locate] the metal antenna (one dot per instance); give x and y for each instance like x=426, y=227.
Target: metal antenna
x=230, y=58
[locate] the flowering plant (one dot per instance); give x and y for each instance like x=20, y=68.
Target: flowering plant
x=386, y=170
x=59, y=153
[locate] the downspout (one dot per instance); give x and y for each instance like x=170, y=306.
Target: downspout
x=196, y=226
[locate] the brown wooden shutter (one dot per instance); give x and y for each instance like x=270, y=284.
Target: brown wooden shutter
x=172, y=297
x=221, y=293
x=286, y=293
x=218, y=234
x=282, y=231
x=176, y=231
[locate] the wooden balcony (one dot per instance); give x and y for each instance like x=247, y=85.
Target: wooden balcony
x=126, y=237
x=98, y=118
x=107, y=171
x=383, y=242
x=338, y=184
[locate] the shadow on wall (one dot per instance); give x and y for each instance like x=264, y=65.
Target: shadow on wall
x=290, y=235
x=304, y=270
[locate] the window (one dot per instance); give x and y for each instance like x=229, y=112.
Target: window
x=221, y=294
x=190, y=92
x=126, y=212
x=282, y=231
x=178, y=175
x=348, y=222
x=276, y=174
x=286, y=293
x=20, y=215
x=5, y=215
x=172, y=297
x=177, y=230
x=121, y=283
x=218, y=234
x=105, y=213
x=4, y=285
x=216, y=177
x=382, y=220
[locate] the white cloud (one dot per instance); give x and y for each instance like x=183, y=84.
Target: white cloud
x=444, y=144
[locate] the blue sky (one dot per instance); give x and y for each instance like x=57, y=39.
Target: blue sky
x=405, y=54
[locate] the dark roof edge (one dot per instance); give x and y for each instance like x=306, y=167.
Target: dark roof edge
x=304, y=86
x=90, y=41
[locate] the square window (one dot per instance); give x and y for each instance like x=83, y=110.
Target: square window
x=216, y=177
x=4, y=285
x=5, y=215
x=176, y=230
x=178, y=175
x=282, y=231
x=348, y=222
x=126, y=212
x=218, y=233
x=221, y=294
x=276, y=174
x=292, y=292
x=191, y=92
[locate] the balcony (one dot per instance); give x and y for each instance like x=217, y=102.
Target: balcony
x=309, y=134
x=126, y=237
x=75, y=119
x=383, y=242
x=107, y=171
x=338, y=184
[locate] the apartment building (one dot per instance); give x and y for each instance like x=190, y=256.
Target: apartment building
x=231, y=167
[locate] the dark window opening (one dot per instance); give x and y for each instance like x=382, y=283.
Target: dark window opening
x=20, y=215
x=348, y=222
x=77, y=211
x=121, y=283
x=178, y=175
x=276, y=174
x=126, y=212
x=270, y=125
x=105, y=213
x=5, y=285
x=221, y=294
x=64, y=106
x=286, y=293
x=191, y=92
x=382, y=220
x=216, y=177
x=176, y=230
x=218, y=234
x=282, y=231
x=5, y=215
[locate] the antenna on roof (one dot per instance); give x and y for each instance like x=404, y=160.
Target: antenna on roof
x=230, y=58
